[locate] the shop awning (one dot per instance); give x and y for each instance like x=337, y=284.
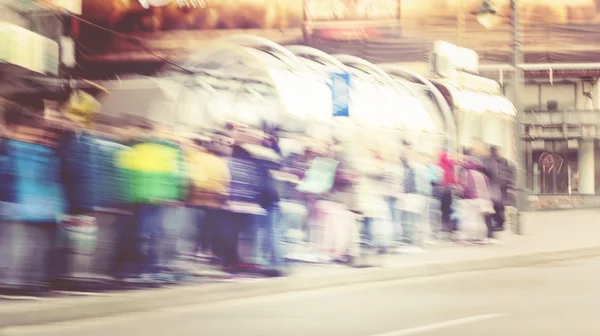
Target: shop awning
x=19, y=84
x=472, y=101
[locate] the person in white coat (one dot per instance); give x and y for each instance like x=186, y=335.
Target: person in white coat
x=371, y=200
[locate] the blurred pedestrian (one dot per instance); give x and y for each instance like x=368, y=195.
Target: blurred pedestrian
x=436, y=175
x=371, y=200
x=503, y=179
x=155, y=182
x=294, y=211
x=252, y=203
x=414, y=200
x=31, y=197
x=393, y=190
x=271, y=229
x=445, y=186
x=476, y=201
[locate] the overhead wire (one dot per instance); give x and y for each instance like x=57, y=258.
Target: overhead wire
x=131, y=39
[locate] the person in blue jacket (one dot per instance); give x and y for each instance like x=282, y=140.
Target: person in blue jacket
x=31, y=197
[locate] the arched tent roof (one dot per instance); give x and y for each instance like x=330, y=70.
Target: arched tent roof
x=442, y=104
x=246, y=89
x=290, y=75
x=261, y=43
x=398, y=101
x=319, y=88
x=366, y=67
x=258, y=80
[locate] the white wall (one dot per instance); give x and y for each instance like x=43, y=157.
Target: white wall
x=568, y=95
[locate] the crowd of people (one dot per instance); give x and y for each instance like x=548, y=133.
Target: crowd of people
x=125, y=193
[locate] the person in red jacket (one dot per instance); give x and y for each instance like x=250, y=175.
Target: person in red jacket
x=449, y=178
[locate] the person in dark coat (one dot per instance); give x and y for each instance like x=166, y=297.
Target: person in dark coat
x=503, y=180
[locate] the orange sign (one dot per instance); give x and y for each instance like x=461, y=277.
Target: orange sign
x=553, y=30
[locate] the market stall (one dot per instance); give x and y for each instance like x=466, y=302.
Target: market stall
x=481, y=112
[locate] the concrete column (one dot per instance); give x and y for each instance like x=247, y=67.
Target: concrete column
x=596, y=95
x=587, y=170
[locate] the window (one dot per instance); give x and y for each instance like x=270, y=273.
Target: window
x=552, y=166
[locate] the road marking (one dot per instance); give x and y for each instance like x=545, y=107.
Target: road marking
x=441, y=325
x=21, y=298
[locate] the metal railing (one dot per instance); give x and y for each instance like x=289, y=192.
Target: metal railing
x=561, y=124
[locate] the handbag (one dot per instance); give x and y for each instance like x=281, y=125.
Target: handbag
x=485, y=202
x=413, y=203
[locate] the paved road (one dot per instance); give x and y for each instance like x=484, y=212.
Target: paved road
x=555, y=299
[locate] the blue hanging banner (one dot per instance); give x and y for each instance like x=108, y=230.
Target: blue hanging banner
x=340, y=90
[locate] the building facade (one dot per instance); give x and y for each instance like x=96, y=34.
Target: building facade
x=561, y=120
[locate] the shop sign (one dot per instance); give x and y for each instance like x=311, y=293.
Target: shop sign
x=449, y=58
x=27, y=49
x=340, y=90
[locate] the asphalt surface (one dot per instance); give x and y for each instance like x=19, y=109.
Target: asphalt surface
x=554, y=299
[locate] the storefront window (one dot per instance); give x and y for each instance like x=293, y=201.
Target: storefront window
x=552, y=166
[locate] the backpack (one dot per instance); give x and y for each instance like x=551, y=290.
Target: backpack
x=207, y=172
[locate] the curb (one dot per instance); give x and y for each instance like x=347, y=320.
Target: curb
x=62, y=310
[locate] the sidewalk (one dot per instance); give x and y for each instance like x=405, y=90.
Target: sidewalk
x=549, y=236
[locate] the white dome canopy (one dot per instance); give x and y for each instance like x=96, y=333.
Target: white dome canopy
x=254, y=80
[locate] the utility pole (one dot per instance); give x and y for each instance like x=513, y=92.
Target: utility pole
x=518, y=86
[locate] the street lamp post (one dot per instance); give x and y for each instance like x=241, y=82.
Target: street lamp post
x=488, y=16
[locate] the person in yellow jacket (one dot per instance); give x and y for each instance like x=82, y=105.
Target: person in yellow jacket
x=209, y=189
